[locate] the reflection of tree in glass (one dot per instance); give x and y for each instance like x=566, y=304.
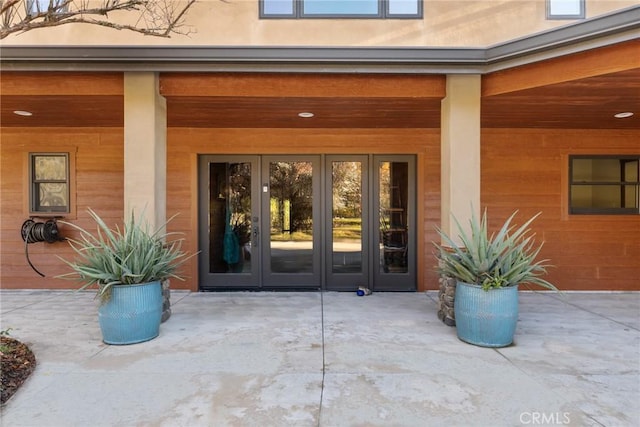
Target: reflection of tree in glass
x=385, y=185
x=291, y=184
x=347, y=193
x=240, y=200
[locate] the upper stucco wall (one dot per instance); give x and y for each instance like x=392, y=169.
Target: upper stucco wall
x=236, y=23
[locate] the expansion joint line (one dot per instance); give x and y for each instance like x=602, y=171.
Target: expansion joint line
x=323, y=356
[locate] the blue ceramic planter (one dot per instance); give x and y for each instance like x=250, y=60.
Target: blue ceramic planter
x=132, y=314
x=486, y=318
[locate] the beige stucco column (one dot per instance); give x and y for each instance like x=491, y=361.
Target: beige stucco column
x=145, y=147
x=460, y=150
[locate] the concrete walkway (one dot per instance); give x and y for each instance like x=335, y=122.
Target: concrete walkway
x=327, y=359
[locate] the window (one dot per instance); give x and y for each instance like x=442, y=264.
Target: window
x=49, y=182
x=604, y=184
x=35, y=7
x=565, y=9
x=380, y=9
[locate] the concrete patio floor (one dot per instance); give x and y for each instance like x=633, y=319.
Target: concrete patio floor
x=326, y=359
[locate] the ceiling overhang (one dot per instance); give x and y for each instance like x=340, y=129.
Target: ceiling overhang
x=575, y=77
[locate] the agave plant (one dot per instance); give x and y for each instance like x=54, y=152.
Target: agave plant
x=131, y=255
x=505, y=258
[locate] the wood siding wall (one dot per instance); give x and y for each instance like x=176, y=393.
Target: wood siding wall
x=528, y=170
x=185, y=144
x=521, y=169
x=98, y=177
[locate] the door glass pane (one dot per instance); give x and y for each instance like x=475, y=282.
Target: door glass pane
x=347, y=217
x=230, y=217
x=394, y=183
x=291, y=217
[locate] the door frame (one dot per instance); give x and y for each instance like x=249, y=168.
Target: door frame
x=275, y=280
x=321, y=277
x=346, y=281
x=388, y=281
x=236, y=281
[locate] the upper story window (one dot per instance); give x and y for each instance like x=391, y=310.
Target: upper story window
x=604, y=185
x=49, y=183
x=565, y=9
x=36, y=7
x=379, y=9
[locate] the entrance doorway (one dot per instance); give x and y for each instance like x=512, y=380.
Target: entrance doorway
x=333, y=222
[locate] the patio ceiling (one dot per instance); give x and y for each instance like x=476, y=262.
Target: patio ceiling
x=583, y=103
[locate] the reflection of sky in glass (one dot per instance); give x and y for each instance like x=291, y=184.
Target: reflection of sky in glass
x=564, y=7
x=340, y=7
x=278, y=7
x=403, y=7
x=51, y=168
x=337, y=7
x=37, y=6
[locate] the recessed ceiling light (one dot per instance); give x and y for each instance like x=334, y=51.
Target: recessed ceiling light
x=23, y=113
x=305, y=115
x=623, y=115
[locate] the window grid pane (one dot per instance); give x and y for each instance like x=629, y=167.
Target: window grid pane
x=49, y=182
x=340, y=7
x=52, y=196
x=604, y=185
x=310, y=9
x=403, y=7
x=565, y=9
x=278, y=7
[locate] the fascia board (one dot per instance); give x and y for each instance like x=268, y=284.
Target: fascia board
x=625, y=21
x=596, y=32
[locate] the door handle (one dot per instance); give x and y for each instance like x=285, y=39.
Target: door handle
x=256, y=234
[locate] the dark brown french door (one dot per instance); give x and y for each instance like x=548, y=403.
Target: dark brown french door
x=333, y=222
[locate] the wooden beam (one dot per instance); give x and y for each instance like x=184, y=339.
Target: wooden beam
x=610, y=59
x=61, y=83
x=302, y=85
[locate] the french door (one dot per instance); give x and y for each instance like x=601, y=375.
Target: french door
x=334, y=222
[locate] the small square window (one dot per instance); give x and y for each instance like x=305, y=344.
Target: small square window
x=604, y=185
x=49, y=183
x=36, y=7
x=565, y=9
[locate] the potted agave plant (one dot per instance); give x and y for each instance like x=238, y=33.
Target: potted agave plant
x=127, y=265
x=488, y=269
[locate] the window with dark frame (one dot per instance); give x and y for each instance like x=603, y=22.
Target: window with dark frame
x=604, y=184
x=310, y=9
x=36, y=7
x=565, y=9
x=49, y=183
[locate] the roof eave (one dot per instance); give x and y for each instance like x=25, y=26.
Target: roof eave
x=616, y=27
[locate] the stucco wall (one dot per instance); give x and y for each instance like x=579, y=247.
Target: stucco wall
x=447, y=23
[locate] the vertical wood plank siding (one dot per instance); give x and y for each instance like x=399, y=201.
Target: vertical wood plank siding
x=528, y=170
x=98, y=176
